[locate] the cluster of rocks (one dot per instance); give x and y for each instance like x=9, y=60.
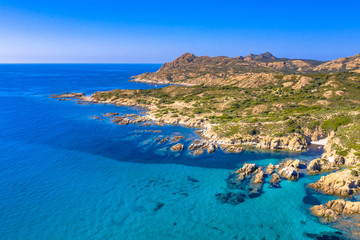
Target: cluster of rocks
x=334, y=209
x=294, y=142
x=199, y=146
x=150, y=130
x=68, y=95
x=124, y=120
x=232, y=148
x=289, y=169
x=342, y=183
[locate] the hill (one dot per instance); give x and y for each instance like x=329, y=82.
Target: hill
x=249, y=71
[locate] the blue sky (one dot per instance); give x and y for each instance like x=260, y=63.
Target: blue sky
x=159, y=31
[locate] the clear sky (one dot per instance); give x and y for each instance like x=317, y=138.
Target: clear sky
x=135, y=31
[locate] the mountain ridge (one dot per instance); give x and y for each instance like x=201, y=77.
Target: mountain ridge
x=189, y=69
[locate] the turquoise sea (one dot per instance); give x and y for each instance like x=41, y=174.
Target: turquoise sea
x=64, y=175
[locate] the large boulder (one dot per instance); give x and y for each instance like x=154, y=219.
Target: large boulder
x=319, y=165
x=259, y=177
x=270, y=169
x=177, y=147
x=289, y=173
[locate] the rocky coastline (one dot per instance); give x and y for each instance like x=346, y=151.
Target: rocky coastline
x=343, y=183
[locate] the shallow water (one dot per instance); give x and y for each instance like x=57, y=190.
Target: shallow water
x=64, y=175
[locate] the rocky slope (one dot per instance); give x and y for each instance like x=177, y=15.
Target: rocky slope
x=259, y=70
x=341, y=64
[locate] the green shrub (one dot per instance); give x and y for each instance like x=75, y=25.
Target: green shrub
x=334, y=123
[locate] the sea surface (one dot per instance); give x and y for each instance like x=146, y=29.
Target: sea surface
x=64, y=175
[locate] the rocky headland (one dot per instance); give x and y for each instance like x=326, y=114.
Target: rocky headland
x=257, y=101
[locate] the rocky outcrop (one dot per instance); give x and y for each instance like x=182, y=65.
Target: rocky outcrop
x=289, y=173
x=270, y=169
x=177, y=138
x=164, y=140
x=198, y=152
x=319, y=165
x=275, y=180
x=332, y=210
x=109, y=114
x=342, y=183
x=68, y=95
x=289, y=169
x=259, y=177
x=341, y=65
x=177, y=147
x=293, y=163
x=121, y=120
x=198, y=146
x=231, y=148
x=246, y=170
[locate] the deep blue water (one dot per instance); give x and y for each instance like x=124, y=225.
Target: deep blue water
x=64, y=175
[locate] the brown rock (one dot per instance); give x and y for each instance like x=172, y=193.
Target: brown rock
x=177, y=138
x=333, y=209
x=177, y=147
x=275, y=178
x=289, y=173
x=198, y=151
x=164, y=140
x=319, y=165
x=259, y=177
x=343, y=183
x=270, y=169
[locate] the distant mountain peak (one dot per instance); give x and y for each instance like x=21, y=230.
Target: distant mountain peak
x=180, y=61
x=262, y=56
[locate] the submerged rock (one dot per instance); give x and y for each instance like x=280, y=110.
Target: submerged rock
x=164, y=140
x=110, y=114
x=177, y=138
x=177, y=147
x=231, y=198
